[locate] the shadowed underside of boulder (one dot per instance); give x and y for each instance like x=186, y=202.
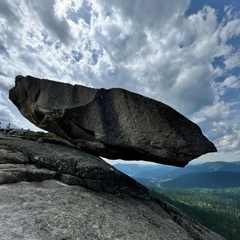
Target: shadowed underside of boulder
x=114, y=123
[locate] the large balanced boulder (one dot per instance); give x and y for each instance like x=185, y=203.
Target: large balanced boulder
x=114, y=123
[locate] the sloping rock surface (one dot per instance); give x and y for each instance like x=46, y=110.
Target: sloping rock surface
x=52, y=211
x=113, y=123
x=27, y=160
x=52, y=191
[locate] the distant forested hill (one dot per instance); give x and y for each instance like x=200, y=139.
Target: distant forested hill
x=132, y=169
x=205, y=180
x=164, y=172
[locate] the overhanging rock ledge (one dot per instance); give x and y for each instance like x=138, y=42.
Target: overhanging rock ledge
x=114, y=123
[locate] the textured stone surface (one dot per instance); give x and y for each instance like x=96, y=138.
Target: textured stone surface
x=12, y=173
x=54, y=211
x=27, y=160
x=99, y=202
x=111, y=123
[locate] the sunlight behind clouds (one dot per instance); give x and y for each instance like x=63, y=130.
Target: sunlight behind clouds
x=188, y=61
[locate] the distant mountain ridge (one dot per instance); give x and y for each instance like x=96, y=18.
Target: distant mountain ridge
x=164, y=172
x=133, y=169
x=205, y=180
x=217, y=174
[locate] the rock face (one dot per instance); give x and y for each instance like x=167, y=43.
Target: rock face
x=115, y=123
x=51, y=191
x=27, y=160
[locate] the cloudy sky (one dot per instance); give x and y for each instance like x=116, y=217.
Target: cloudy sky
x=183, y=53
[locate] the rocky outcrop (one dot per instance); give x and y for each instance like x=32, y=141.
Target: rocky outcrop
x=50, y=190
x=28, y=160
x=115, y=123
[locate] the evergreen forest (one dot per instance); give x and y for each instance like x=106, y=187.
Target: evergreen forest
x=217, y=209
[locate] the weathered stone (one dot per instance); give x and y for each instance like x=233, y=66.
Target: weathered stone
x=12, y=173
x=11, y=155
x=114, y=123
x=67, y=164
x=51, y=211
x=45, y=208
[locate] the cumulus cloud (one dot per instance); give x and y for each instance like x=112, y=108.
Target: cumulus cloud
x=230, y=82
x=226, y=136
x=58, y=26
x=8, y=11
x=219, y=110
x=151, y=47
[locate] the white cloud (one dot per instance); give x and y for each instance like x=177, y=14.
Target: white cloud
x=149, y=47
x=229, y=83
x=227, y=137
x=218, y=111
x=7, y=115
x=232, y=61
x=58, y=26
x=231, y=29
x=8, y=10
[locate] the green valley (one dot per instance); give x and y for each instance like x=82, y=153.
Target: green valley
x=204, y=180
x=217, y=209
x=208, y=192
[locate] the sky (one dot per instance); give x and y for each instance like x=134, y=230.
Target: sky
x=183, y=53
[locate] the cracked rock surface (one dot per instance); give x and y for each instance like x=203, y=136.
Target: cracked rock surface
x=51, y=210
x=27, y=160
x=52, y=191
x=114, y=123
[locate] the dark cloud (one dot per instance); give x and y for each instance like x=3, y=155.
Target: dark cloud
x=3, y=50
x=58, y=27
x=8, y=12
x=146, y=46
